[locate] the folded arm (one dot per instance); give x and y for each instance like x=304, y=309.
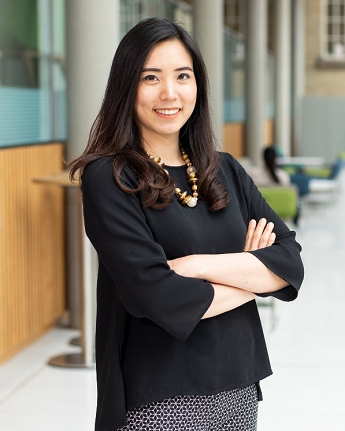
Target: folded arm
x=235, y=276
x=240, y=270
x=227, y=298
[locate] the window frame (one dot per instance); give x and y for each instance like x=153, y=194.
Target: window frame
x=336, y=21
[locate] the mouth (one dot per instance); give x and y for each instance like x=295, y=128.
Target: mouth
x=167, y=111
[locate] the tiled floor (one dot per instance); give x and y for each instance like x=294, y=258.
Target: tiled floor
x=307, y=350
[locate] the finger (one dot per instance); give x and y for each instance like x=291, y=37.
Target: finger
x=250, y=233
x=263, y=242
x=257, y=234
x=271, y=239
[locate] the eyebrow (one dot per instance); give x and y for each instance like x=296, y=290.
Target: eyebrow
x=154, y=69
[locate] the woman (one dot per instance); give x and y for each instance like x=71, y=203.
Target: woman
x=270, y=174
x=179, y=344
x=278, y=176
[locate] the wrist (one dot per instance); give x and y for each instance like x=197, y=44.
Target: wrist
x=197, y=264
x=207, y=264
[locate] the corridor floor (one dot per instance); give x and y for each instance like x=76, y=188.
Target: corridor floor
x=306, y=346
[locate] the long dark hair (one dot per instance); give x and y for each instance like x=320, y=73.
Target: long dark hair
x=270, y=163
x=115, y=132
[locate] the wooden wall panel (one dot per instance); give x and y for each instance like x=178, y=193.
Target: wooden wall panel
x=269, y=132
x=32, y=270
x=234, y=137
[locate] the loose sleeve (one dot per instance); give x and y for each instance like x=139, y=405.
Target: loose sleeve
x=283, y=258
x=116, y=226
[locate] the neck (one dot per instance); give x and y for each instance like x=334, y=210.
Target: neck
x=168, y=150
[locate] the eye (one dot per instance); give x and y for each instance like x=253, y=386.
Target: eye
x=150, y=78
x=183, y=76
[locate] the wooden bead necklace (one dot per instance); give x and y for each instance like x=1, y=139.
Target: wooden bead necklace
x=184, y=197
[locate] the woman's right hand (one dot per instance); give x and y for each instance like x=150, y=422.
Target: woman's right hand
x=259, y=235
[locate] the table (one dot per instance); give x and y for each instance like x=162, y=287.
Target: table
x=84, y=359
x=300, y=161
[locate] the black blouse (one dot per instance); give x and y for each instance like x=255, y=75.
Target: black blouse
x=151, y=343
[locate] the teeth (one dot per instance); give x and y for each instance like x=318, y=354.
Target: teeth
x=167, y=111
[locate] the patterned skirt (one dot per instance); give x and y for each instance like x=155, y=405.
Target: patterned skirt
x=235, y=410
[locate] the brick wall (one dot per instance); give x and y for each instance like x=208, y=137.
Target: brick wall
x=319, y=81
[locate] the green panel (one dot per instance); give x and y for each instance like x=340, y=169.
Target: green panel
x=18, y=25
x=323, y=127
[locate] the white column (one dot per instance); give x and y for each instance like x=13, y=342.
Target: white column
x=256, y=78
x=298, y=70
x=208, y=31
x=92, y=38
x=282, y=16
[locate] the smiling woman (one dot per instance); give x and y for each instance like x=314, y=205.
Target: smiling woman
x=166, y=98
x=179, y=344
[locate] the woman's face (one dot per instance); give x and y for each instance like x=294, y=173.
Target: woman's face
x=167, y=91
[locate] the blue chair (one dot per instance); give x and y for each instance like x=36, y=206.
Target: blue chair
x=302, y=182
x=336, y=168
x=330, y=172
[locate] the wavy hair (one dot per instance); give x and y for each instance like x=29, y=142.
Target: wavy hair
x=115, y=132
x=270, y=162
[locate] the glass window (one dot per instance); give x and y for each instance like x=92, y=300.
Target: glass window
x=333, y=31
x=32, y=74
x=235, y=65
x=234, y=15
x=234, y=61
x=234, y=77
x=133, y=11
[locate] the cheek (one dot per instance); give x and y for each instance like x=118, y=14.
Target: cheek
x=191, y=94
x=141, y=106
x=144, y=97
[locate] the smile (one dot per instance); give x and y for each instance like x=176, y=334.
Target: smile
x=167, y=111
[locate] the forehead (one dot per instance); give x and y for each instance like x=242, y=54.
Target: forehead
x=169, y=53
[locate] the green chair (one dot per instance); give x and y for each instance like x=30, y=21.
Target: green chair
x=282, y=199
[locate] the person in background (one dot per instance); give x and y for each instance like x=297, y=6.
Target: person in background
x=279, y=176
x=185, y=243
x=270, y=173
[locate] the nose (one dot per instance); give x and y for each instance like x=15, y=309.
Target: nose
x=168, y=90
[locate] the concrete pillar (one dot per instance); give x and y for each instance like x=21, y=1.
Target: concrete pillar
x=208, y=31
x=92, y=38
x=298, y=70
x=256, y=78
x=282, y=48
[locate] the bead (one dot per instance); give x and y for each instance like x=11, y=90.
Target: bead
x=177, y=190
x=191, y=170
x=192, y=202
x=186, y=200
x=182, y=196
x=194, y=187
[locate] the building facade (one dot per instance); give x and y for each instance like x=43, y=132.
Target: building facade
x=324, y=100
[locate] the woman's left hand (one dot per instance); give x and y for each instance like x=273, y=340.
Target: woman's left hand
x=259, y=235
